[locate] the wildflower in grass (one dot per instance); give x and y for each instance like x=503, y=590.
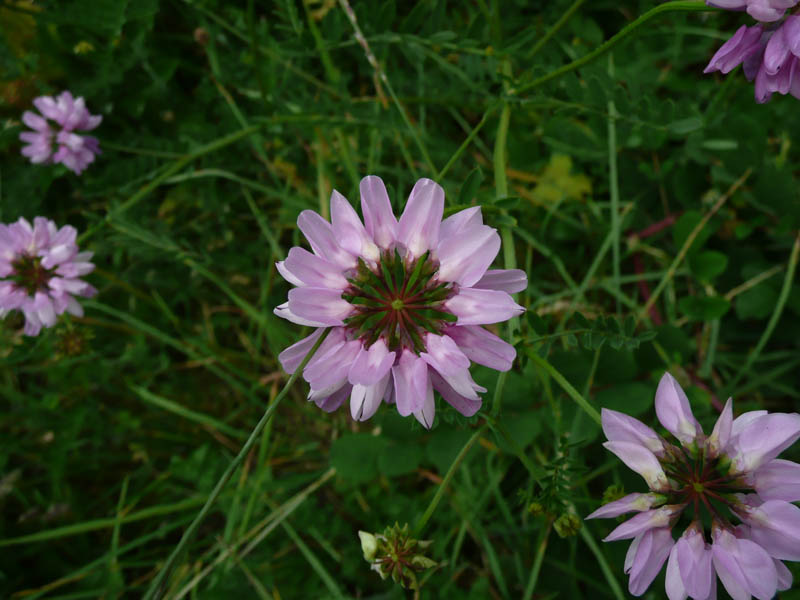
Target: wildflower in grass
x=770, y=57
x=760, y=10
x=394, y=553
x=406, y=300
x=54, y=138
x=40, y=271
x=731, y=479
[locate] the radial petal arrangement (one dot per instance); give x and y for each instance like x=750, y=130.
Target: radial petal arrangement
x=40, y=272
x=728, y=491
x=406, y=298
x=53, y=137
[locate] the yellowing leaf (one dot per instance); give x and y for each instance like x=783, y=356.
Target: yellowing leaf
x=557, y=183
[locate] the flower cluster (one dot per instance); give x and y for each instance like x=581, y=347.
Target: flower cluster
x=394, y=553
x=769, y=54
x=406, y=300
x=731, y=479
x=67, y=115
x=40, y=271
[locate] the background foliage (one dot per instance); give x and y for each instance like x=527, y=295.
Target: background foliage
x=114, y=427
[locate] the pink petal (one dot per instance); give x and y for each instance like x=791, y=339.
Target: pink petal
x=320, y=236
x=292, y=356
x=674, y=412
x=365, y=399
x=763, y=439
x=458, y=222
x=314, y=271
x=505, y=280
x=425, y=414
x=644, y=521
x=651, y=552
x=320, y=305
x=418, y=228
x=630, y=503
x=35, y=122
x=639, y=459
x=619, y=427
x=379, y=219
x=775, y=526
x=334, y=401
x=349, y=231
x=371, y=366
x=483, y=347
x=743, y=566
x=283, y=312
x=718, y=440
x=410, y=383
x=482, y=307
x=466, y=406
x=464, y=258
x=445, y=357
x=777, y=480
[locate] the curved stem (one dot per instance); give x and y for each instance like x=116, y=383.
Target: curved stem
x=566, y=386
x=156, y=589
x=676, y=6
x=443, y=486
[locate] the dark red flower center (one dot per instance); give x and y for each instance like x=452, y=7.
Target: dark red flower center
x=399, y=301
x=29, y=274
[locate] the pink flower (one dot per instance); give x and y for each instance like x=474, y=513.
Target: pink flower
x=760, y=10
x=731, y=478
x=406, y=299
x=770, y=57
x=40, y=270
x=68, y=114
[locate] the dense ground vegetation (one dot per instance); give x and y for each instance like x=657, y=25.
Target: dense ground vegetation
x=654, y=208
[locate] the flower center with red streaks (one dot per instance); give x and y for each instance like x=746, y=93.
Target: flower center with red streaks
x=398, y=300
x=29, y=274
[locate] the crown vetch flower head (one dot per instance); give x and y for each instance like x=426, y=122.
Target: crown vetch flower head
x=60, y=118
x=760, y=10
x=731, y=478
x=40, y=271
x=406, y=300
x=769, y=56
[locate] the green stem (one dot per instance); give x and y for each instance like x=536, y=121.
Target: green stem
x=541, y=546
x=554, y=29
x=420, y=526
x=676, y=6
x=173, y=168
x=613, y=184
x=156, y=589
x=566, y=386
x=776, y=314
x=601, y=560
x=467, y=141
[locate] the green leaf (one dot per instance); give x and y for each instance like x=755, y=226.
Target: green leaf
x=708, y=264
x=445, y=446
x=399, y=459
x=522, y=428
x=633, y=398
x=684, y=226
x=756, y=303
x=507, y=203
x=684, y=126
x=355, y=456
x=704, y=308
x=538, y=324
x=717, y=145
x=470, y=187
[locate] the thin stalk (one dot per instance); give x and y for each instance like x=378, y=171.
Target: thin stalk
x=613, y=184
x=676, y=6
x=420, y=526
x=603, y=563
x=156, y=589
x=566, y=386
x=554, y=29
x=776, y=314
x=541, y=546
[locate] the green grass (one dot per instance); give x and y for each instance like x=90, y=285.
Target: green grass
x=668, y=243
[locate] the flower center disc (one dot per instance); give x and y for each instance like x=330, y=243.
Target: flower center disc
x=29, y=273
x=399, y=301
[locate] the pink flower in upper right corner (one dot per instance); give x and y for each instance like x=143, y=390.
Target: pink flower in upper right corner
x=760, y=10
x=53, y=138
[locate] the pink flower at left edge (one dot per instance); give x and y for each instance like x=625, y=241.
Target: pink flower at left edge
x=731, y=478
x=40, y=272
x=53, y=138
x=406, y=300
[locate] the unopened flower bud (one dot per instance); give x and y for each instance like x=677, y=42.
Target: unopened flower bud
x=567, y=525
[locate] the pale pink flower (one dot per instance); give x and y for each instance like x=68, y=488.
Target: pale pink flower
x=53, y=139
x=40, y=271
x=760, y=10
x=406, y=300
x=731, y=478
